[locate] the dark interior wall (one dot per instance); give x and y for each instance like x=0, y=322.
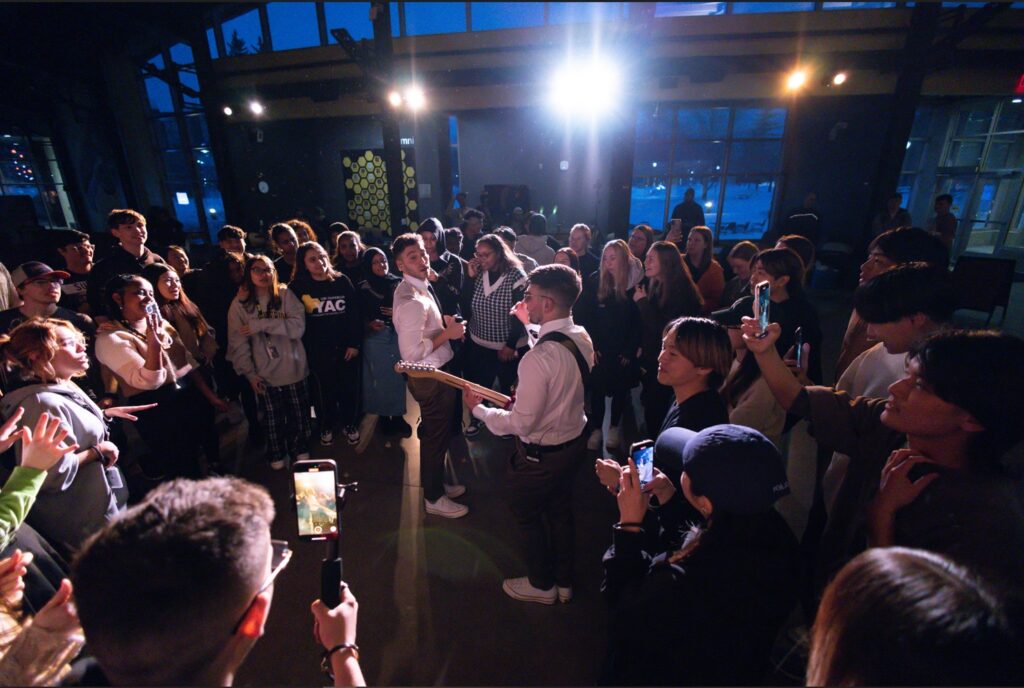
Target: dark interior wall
x=86, y=149
x=301, y=162
x=526, y=146
x=832, y=147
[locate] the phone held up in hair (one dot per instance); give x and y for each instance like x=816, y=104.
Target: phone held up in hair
x=762, y=304
x=316, y=499
x=642, y=454
x=798, y=347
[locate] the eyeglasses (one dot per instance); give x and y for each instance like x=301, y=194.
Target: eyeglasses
x=280, y=555
x=483, y=255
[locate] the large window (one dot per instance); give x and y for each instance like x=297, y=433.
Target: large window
x=974, y=151
x=293, y=25
x=182, y=140
x=29, y=168
x=730, y=156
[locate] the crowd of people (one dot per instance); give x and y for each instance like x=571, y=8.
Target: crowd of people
x=908, y=570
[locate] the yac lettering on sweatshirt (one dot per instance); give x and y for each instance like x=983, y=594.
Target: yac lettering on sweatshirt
x=315, y=306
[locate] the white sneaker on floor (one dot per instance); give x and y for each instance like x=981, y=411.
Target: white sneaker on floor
x=594, y=441
x=352, y=434
x=453, y=491
x=446, y=508
x=614, y=437
x=278, y=465
x=564, y=594
x=520, y=589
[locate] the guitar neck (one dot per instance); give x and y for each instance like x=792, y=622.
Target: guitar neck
x=496, y=398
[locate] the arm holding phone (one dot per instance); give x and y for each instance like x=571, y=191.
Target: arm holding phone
x=335, y=629
x=776, y=373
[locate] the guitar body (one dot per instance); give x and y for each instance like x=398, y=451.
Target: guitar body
x=419, y=370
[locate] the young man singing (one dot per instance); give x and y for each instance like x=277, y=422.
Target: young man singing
x=424, y=336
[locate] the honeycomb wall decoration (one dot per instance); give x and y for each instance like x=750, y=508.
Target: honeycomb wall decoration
x=366, y=188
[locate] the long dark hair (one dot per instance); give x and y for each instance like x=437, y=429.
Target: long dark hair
x=507, y=260
x=709, y=251
x=783, y=262
x=301, y=274
x=907, y=617
x=673, y=280
x=740, y=379
x=183, y=307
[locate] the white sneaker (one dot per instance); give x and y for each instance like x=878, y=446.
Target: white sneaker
x=445, y=508
x=594, y=441
x=453, y=491
x=278, y=465
x=564, y=594
x=520, y=589
x=614, y=437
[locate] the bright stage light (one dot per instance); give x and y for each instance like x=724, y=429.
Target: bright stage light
x=796, y=80
x=228, y=111
x=256, y=107
x=415, y=97
x=586, y=87
x=395, y=98
x=839, y=79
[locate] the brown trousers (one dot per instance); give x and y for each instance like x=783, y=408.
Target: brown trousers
x=437, y=408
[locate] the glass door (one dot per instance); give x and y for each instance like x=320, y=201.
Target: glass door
x=992, y=204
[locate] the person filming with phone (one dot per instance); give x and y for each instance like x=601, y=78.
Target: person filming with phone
x=151, y=365
x=706, y=611
x=548, y=420
x=178, y=590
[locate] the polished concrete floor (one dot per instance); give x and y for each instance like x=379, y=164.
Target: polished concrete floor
x=431, y=607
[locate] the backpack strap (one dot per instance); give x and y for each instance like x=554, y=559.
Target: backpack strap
x=566, y=341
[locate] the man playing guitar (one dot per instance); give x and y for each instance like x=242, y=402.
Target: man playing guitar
x=548, y=420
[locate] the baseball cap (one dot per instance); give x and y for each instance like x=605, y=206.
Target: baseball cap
x=733, y=315
x=34, y=270
x=736, y=467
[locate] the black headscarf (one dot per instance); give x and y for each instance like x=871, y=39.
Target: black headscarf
x=381, y=285
x=432, y=224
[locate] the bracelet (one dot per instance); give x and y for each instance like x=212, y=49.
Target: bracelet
x=619, y=526
x=325, y=661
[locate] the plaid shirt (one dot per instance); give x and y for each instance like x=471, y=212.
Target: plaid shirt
x=491, y=324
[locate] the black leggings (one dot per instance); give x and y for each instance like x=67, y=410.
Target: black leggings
x=173, y=431
x=334, y=386
x=483, y=364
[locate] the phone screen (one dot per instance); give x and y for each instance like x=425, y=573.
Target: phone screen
x=799, y=347
x=642, y=454
x=763, y=304
x=316, y=499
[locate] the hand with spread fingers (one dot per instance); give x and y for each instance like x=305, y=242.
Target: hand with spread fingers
x=44, y=446
x=896, y=490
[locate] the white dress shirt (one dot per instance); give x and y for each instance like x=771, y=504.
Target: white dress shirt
x=418, y=320
x=549, y=399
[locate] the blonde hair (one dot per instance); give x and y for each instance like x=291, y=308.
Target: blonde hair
x=31, y=346
x=616, y=285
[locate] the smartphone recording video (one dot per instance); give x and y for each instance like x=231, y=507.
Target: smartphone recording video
x=642, y=454
x=316, y=499
x=762, y=304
